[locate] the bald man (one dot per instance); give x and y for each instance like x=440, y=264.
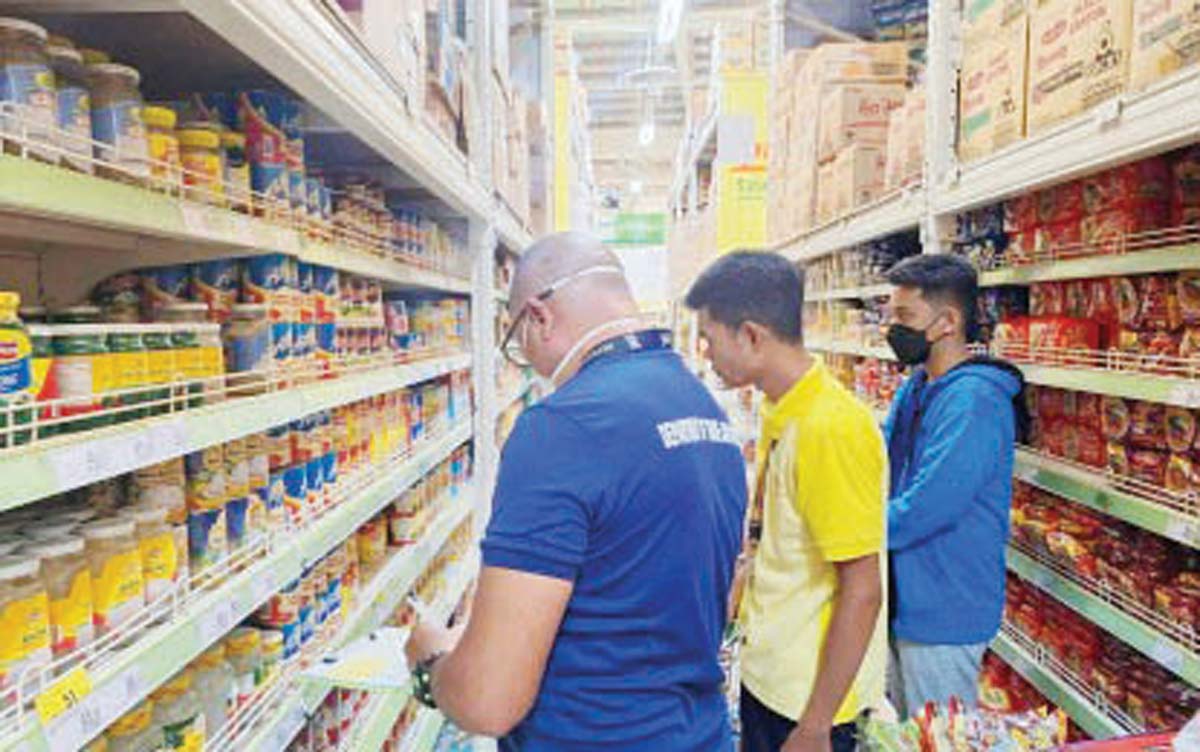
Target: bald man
x=616, y=522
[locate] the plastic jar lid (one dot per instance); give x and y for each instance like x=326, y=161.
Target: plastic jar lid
x=116, y=69
x=53, y=530
x=54, y=547
x=108, y=529
x=199, y=139
x=242, y=641
x=58, y=40
x=159, y=117
x=65, y=53
x=233, y=139
x=12, y=567
x=10, y=300
x=17, y=24
x=94, y=57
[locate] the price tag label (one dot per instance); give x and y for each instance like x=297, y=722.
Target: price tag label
x=1167, y=654
x=215, y=623
x=63, y=695
x=1185, y=395
x=265, y=586
x=1185, y=531
x=169, y=439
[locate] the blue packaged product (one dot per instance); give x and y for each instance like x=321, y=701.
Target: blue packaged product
x=334, y=589
x=207, y=542
x=325, y=293
x=305, y=302
x=304, y=341
x=235, y=522
x=281, y=341
x=295, y=498
x=216, y=283
x=312, y=196
x=326, y=202
x=326, y=342
x=308, y=623
x=219, y=106
x=163, y=286
x=276, y=492
x=265, y=280
x=329, y=462
x=315, y=481
x=291, y=638
x=294, y=146
x=261, y=117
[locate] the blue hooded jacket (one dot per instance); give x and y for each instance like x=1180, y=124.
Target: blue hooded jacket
x=950, y=446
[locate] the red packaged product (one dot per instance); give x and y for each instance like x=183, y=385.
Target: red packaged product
x=1061, y=333
x=1159, y=305
x=1148, y=466
x=1127, y=301
x=1022, y=247
x=1148, y=426
x=1117, y=418
x=1056, y=239
x=1060, y=203
x=1189, y=343
x=1088, y=410
x=1092, y=449
x=1075, y=299
x=1187, y=294
x=1147, y=180
x=1048, y=298
x=1011, y=337
x=1118, y=459
x=1180, y=475
x=1112, y=229
x=1184, y=216
x=1186, y=173
x=1180, y=424
x=1051, y=403
x=1021, y=213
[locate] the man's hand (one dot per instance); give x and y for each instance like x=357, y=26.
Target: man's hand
x=741, y=573
x=808, y=740
x=426, y=640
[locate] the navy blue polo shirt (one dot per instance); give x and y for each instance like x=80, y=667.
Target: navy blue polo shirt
x=629, y=482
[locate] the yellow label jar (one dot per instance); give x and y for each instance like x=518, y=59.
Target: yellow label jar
x=24, y=618
x=118, y=590
x=166, y=167
x=156, y=548
x=237, y=170
x=69, y=586
x=28, y=89
x=203, y=172
x=133, y=731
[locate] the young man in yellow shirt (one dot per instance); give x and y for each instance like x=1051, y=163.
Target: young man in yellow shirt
x=815, y=649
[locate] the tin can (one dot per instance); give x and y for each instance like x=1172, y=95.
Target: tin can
x=216, y=283
x=265, y=281
x=163, y=286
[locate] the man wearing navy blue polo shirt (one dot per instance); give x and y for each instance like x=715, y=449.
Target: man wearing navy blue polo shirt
x=609, y=556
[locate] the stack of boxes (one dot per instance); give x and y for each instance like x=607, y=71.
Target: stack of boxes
x=906, y=143
x=1026, y=70
x=394, y=32
x=832, y=109
x=511, y=146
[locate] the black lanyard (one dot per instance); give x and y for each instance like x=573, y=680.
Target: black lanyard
x=644, y=340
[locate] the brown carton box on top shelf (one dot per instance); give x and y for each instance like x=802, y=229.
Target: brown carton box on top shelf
x=1166, y=38
x=858, y=173
x=992, y=89
x=982, y=17
x=1078, y=57
x=856, y=114
x=914, y=138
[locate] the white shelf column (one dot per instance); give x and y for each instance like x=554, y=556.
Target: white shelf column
x=483, y=343
x=941, y=116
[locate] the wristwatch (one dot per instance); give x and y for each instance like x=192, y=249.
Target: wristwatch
x=422, y=675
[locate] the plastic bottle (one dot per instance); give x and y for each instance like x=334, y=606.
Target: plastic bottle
x=214, y=683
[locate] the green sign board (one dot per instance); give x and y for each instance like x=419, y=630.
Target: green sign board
x=639, y=229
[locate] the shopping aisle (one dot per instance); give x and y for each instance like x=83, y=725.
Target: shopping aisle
x=253, y=269
x=1068, y=180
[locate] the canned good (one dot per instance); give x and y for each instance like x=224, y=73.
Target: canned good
x=203, y=172
x=163, y=286
x=265, y=281
x=161, y=366
x=216, y=283
x=82, y=371
x=247, y=342
x=130, y=367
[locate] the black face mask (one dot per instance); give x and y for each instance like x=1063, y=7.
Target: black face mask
x=909, y=344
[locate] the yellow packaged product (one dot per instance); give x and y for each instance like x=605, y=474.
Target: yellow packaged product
x=24, y=618
x=68, y=584
x=203, y=170
x=165, y=165
x=179, y=713
x=115, y=563
x=134, y=732
x=157, y=550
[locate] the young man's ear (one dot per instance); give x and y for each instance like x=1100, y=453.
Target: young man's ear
x=755, y=332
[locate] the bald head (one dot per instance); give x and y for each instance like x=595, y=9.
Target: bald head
x=578, y=261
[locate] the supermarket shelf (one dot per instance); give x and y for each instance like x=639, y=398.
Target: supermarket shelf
x=895, y=213
x=132, y=675
x=1167, y=259
x=1094, y=489
x=850, y=293
x=375, y=726
x=44, y=201
x=321, y=57
x=424, y=732
x=1125, y=128
x=850, y=348
x=1112, y=616
x=687, y=160
x=1128, y=384
x=1084, y=710
x=511, y=234
x=379, y=601
x=61, y=464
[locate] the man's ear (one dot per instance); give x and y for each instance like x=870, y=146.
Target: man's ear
x=756, y=333
x=540, y=313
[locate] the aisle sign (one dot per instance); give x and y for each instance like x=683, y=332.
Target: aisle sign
x=630, y=228
x=741, y=207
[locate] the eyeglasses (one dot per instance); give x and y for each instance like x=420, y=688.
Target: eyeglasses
x=510, y=348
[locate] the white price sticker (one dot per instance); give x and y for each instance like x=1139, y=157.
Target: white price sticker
x=1167, y=654
x=76, y=466
x=1185, y=531
x=1185, y=395
x=216, y=623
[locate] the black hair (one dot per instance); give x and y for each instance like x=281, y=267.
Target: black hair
x=942, y=278
x=755, y=286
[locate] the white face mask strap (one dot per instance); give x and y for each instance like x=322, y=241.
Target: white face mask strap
x=586, y=339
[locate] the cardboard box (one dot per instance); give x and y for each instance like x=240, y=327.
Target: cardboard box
x=855, y=62
x=982, y=17
x=992, y=90
x=858, y=173
x=893, y=173
x=1166, y=38
x=914, y=138
x=1078, y=57
x=856, y=114
x=827, y=196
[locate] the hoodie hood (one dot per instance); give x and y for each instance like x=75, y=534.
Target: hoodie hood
x=1000, y=374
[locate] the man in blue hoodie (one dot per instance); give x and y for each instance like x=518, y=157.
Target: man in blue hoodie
x=950, y=435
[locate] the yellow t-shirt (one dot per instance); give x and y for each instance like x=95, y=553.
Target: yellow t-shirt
x=824, y=502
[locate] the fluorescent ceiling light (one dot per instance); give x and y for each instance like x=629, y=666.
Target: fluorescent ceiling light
x=670, y=13
x=635, y=186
